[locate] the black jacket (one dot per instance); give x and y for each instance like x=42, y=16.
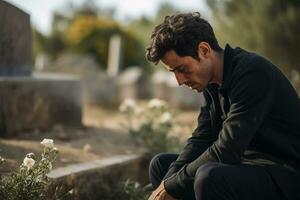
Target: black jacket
x=253, y=117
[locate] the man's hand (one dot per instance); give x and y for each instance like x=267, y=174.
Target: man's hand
x=160, y=193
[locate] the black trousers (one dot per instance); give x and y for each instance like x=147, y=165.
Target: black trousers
x=217, y=181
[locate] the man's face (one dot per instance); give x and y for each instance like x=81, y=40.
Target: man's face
x=188, y=70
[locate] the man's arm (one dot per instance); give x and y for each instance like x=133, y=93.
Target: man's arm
x=201, y=139
x=250, y=96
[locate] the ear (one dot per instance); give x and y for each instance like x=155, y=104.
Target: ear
x=204, y=50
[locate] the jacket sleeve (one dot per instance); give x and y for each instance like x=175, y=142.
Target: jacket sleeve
x=200, y=140
x=250, y=95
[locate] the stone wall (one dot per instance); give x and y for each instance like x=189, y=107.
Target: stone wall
x=30, y=103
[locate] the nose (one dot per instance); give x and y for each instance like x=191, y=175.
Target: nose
x=180, y=78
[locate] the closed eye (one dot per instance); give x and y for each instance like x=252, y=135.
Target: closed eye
x=179, y=69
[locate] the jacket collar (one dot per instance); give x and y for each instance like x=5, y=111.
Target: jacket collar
x=227, y=65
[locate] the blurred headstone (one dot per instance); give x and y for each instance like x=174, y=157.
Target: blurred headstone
x=134, y=83
x=15, y=41
x=42, y=62
x=83, y=66
x=31, y=102
x=114, y=55
x=39, y=102
x=161, y=85
x=99, y=88
x=185, y=98
x=166, y=88
x=105, y=91
x=76, y=64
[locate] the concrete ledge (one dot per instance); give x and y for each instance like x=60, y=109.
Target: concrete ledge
x=63, y=172
x=97, y=179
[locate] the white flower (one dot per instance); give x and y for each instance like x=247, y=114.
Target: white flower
x=47, y=143
x=138, y=110
x=2, y=160
x=87, y=148
x=30, y=155
x=156, y=103
x=128, y=105
x=50, y=166
x=165, y=117
x=28, y=162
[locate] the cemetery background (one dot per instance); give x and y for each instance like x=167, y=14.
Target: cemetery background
x=78, y=76
x=66, y=100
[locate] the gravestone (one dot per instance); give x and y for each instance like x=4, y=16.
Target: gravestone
x=42, y=62
x=166, y=88
x=99, y=87
x=114, y=55
x=15, y=41
x=83, y=66
x=134, y=83
x=185, y=98
x=105, y=90
x=161, y=85
x=31, y=101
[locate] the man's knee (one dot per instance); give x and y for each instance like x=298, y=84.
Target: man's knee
x=207, y=176
x=157, y=162
x=159, y=166
x=160, y=163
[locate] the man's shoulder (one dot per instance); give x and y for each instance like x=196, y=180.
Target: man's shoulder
x=246, y=62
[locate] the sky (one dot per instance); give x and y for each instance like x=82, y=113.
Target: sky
x=41, y=10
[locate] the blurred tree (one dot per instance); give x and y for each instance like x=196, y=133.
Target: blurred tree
x=38, y=40
x=87, y=29
x=91, y=34
x=88, y=8
x=54, y=43
x=271, y=27
x=164, y=10
x=134, y=52
x=142, y=27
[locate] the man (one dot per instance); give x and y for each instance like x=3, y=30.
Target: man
x=247, y=142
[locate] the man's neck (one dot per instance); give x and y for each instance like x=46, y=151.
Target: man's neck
x=218, y=67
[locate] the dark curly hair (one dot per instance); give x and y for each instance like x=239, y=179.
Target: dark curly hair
x=181, y=32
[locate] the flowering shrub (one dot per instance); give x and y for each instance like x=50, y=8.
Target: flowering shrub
x=152, y=125
x=31, y=181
